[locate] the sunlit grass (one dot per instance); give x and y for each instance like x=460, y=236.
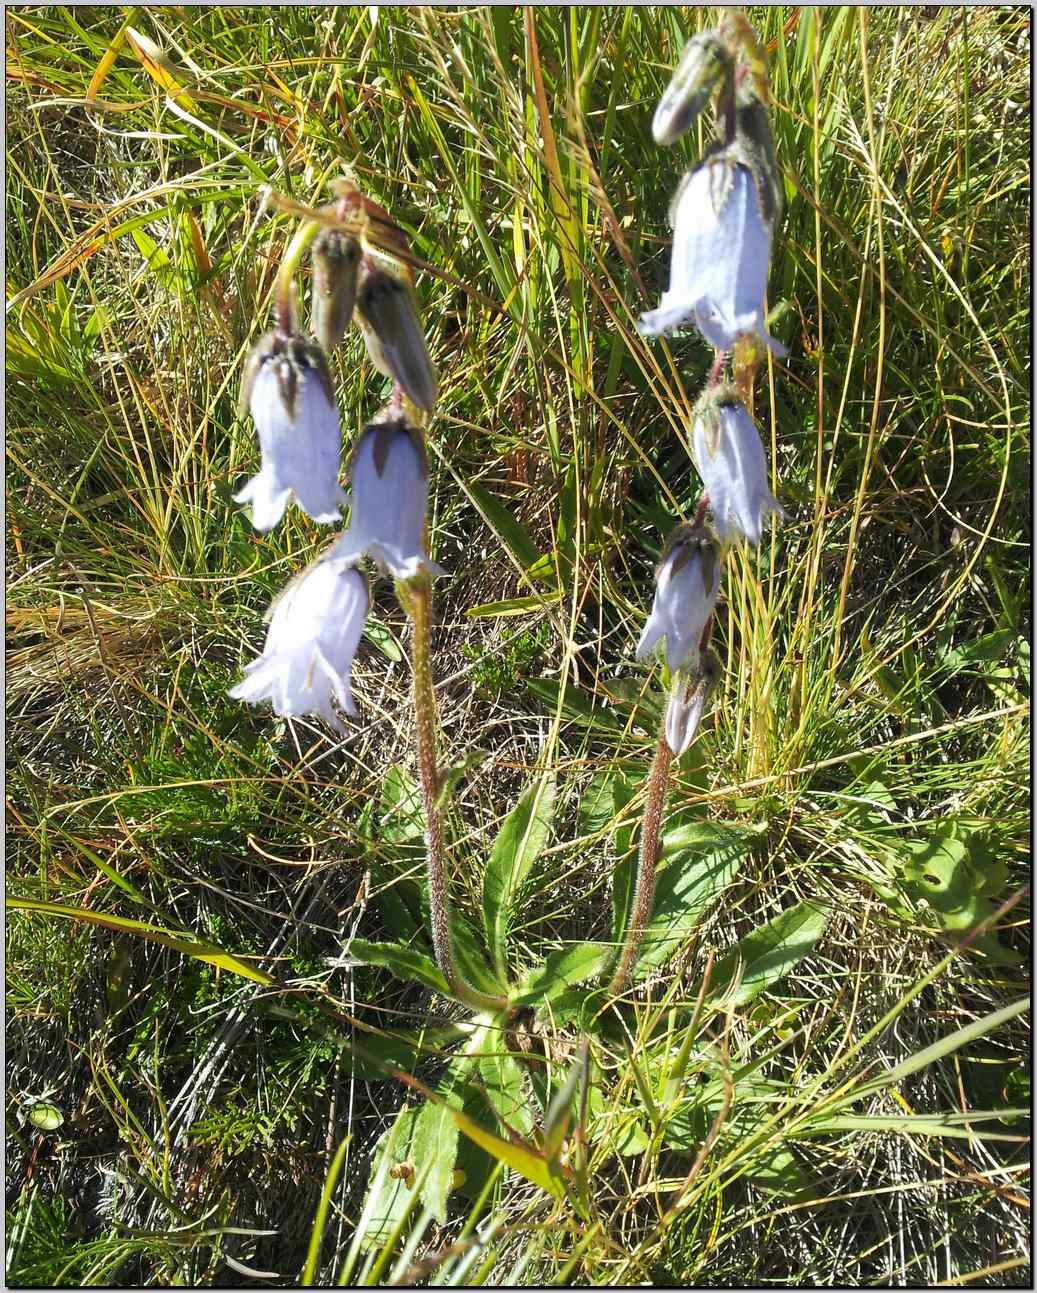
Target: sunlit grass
x=875, y=702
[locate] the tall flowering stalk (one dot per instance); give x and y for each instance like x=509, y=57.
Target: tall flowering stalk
x=360, y=275
x=724, y=214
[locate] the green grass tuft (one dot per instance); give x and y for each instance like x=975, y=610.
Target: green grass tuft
x=872, y=725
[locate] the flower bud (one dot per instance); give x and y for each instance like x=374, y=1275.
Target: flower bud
x=704, y=63
x=388, y=493
x=315, y=628
x=687, y=582
x=730, y=458
x=288, y=388
x=336, y=260
x=388, y=318
x=687, y=703
x=720, y=259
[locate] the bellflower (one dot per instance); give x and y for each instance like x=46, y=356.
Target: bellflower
x=687, y=582
x=388, y=493
x=704, y=63
x=315, y=627
x=388, y=317
x=687, y=703
x=720, y=259
x=336, y=260
x=288, y=388
x=729, y=455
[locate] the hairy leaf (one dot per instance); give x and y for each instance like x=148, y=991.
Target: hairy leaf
x=520, y=840
x=435, y=1152
x=562, y=969
x=506, y=1091
x=404, y=962
x=768, y=953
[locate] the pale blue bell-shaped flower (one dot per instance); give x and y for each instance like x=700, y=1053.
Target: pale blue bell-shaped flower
x=289, y=391
x=388, y=476
x=687, y=703
x=687, y=582
x=315, y=628
x=720, y=260
x=728, y=452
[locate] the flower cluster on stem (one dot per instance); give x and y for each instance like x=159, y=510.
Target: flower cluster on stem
x=724, y=215
x=361, y=276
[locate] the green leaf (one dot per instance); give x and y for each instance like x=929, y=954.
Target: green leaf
x=403, y=1050
x=597, y=806
x=402, y=810
x=560, y=1111
x=562, y=969
x=515, y=849
x=451, y=777
x=697, y=864
x=938, y=875
x=770, y=1166
x=404, y=962
x=616, y=1125
x=506, y=1091
x=399, y=901
x=575, y=705
x=390, y=1198
x=768, y=953
x=528, y=1162
x=471, y=959
x=515, y=537
x=623, y=791
x=435, y=1152
x=955, y=1125
x=379, y=635
x=321, y=1218
x=46, y=1116
x=101, y=864
x=185, y=943
x=776, y=1170
x=514, y=605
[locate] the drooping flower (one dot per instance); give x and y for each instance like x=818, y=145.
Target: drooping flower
x=388, y=317
x=336, y=260
x=720, y=259
x=730, y=458
x=388, y=493
x=704, y=62
x=687, y=582
x=315, y=628
x=687, y=703
x=289, y=390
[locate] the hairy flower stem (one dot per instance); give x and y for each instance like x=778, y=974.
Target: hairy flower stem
x=283, y=291
x=419, y=605
x=647, y=858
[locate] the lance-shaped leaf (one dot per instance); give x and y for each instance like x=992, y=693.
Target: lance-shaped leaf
x=514, y=851
x=768, y=953
x=404, y=962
